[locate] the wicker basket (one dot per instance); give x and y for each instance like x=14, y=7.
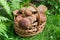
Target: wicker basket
x=30, y=32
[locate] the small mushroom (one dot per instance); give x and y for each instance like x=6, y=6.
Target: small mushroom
x=42, y=17
x=31, y=9
x=22, y=10
x=42, y=9
x=18, y=18
x=25, y=23
x=16, y=12
x=28, y=12
x=25, y=11
x=32, y=18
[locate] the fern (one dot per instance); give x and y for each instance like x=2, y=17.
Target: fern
x=3, y=29
x=6, y=7
x=4, y=22
x=4, y=19
x=15, y=4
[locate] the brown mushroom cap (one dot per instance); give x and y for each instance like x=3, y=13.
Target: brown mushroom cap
x=32, y=18
x=22, y=10
x=18, y=18
x=25, y=11
x=42, y=8
x=24, y=23
x=42, y=18
x=15, y=12
x=28, y=12
x=31, y=9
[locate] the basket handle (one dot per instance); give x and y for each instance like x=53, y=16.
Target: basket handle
x=27, y=4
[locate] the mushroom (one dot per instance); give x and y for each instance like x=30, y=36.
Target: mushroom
x=25, y=11
x=42, y=9
x=32, y=18
x=25, y=23
x=42, y=17
x=18, y=18
x=16, y=12
x=22, y=10
x=28, y=12
x=31, y=9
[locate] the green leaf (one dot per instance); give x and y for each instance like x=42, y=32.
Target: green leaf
x=15, y=4
x=6, y=7
x=2, y=28
x=56, y=6
x=4, y=19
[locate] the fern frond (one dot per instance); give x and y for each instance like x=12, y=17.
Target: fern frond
x=4, y=19
x=6, y=7
x=3, y=29
x=15, y=4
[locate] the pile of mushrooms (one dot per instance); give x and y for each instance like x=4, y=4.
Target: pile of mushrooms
x=27, y=17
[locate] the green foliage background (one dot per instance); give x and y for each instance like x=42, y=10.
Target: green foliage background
x=52, y=28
